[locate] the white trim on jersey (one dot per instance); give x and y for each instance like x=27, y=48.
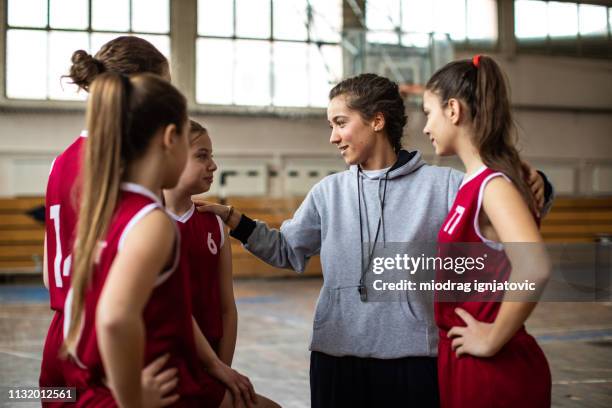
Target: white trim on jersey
x=137, y=217
x=66, y=327
x=222, y=230
x=138, y=189
x=467, y=179
x=67, y=312
x=177, y=256
x=492, y=244
x=52, y=164
x=182, y=218
x=177, y=250
x=84, y=133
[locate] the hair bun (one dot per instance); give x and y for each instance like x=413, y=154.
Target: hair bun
x=84, y=68
x=81, y=57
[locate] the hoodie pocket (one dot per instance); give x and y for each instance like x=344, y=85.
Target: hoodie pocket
x=344, y=325
x=416, y=305
x=323, y=308
x=406, y=306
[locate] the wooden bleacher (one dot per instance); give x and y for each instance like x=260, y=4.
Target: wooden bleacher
x=21, y=237
x=273, y=211
x=574, y=220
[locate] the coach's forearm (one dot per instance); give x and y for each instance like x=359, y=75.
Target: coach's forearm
x=243, y=228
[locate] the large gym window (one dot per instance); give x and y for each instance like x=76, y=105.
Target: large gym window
x=407, y=22
x=559, y=27
x=282, y=53
x=42, y=35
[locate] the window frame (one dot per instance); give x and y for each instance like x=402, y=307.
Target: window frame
x=552, y=47
x=270, y=109
x=467, y=44
x=183, y=34
x=50, y=104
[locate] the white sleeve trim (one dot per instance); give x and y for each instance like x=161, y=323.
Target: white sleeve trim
x=222, y=230
x=139, y=216
x=52, y=164
x=177, y=256
x=492, y=244
x=471, y=177
x=66, y=326
x=177, y=249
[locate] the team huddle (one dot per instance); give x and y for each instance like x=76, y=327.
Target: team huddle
x=140, y=277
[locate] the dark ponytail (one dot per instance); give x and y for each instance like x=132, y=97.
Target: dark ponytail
x=481, y=85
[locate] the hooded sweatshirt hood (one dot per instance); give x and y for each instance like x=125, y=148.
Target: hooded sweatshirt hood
x=406, y=163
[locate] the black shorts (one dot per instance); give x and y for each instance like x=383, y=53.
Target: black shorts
x=369, y=382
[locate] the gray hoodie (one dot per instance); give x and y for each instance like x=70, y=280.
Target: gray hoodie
x=417, y=198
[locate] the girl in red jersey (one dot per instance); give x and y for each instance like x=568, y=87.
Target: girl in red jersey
x=485, y=356
x=204, y=237
x=127, y=304
x=208, y=251
x=124, y=55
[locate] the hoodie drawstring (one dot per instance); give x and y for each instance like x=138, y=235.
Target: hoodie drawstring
x=381, y=220
x=382, y=206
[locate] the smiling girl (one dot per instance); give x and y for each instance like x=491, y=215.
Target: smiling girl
x=485, y=356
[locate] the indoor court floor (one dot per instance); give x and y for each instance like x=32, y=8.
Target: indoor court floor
x=275, y=318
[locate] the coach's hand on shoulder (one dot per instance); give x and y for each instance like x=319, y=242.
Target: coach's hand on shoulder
x=228, y=214
x=157, y=384
x=243, y=393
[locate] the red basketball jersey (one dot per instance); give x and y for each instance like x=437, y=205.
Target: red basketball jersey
x=62, y=208
x=518, y=375
x=202, y=238
x=461, y=226
x=167, y=315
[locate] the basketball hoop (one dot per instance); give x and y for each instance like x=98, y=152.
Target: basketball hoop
x=411, y=90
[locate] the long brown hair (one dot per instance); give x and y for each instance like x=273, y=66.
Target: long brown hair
x=481, y=85
x=123, y=55
x=123, y=115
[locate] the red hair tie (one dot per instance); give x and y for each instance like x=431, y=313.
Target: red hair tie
x=476, y=60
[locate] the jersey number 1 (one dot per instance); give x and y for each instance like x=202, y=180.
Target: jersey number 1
x=454, y=220
x=59, y=264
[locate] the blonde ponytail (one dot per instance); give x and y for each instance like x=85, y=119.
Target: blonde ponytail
x=106, y=111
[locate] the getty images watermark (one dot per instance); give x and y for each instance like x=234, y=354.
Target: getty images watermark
x=460, y=272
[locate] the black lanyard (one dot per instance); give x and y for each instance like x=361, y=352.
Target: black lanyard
x=363, y=292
